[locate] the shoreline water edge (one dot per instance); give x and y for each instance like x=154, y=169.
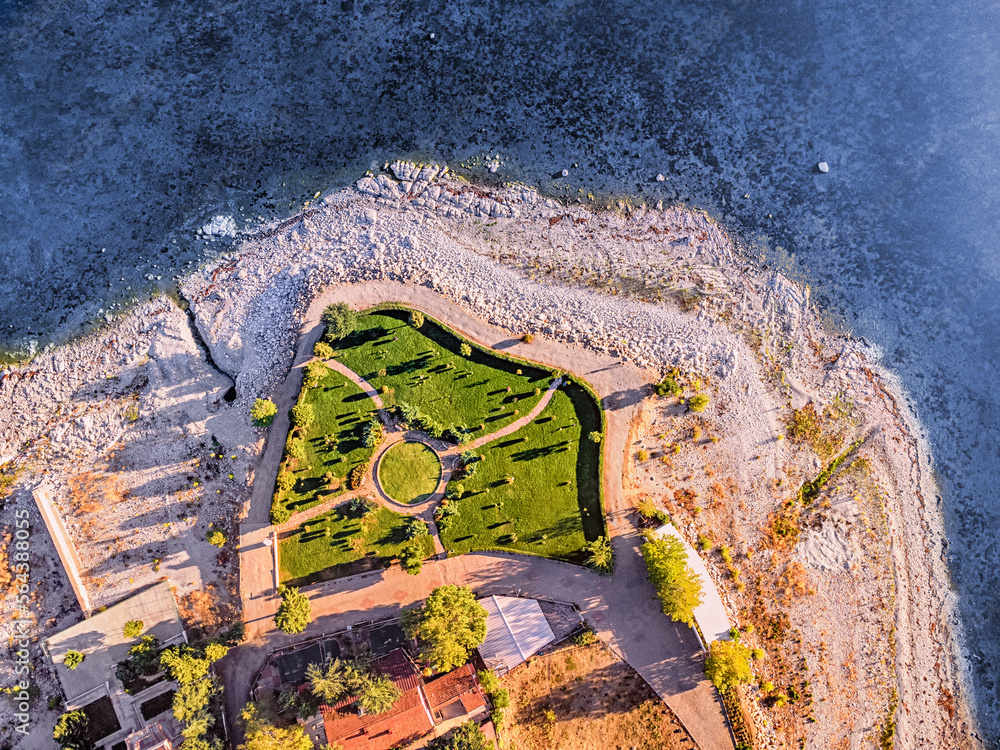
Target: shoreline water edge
x=144, y=404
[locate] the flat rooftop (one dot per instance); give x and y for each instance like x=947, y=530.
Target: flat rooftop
x=103, y=643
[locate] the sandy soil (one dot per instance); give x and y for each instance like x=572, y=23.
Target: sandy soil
x=663, y=288
x=597, y=702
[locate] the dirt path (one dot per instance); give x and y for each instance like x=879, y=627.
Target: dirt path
x=623, y=609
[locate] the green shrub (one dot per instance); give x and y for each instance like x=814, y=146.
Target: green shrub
x=642, y=455
x=445, y=513
x=303, y=415
x=601, y=556
x=286, y=480
x=416, y=318
x=360, y=507
x=297, y=450
x=73, y=659
x=339, y=319
x=585, y=637
x=314, y=372
x=216, y=538
x=698, y=402
x=357, y=476
x=374, y=432
x=757, y=653
x=411, y=559
x=323, y=350
x=466, y=350
x=726, y=554
x=280, y=513
x=262, y=412
x=132, y=629
x=528, y=338
x=595, y=437
x=415, y=528
x=668, y=387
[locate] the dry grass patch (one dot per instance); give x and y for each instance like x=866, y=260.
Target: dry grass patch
x=585, y=698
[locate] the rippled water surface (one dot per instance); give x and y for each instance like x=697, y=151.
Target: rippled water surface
x=125, y=126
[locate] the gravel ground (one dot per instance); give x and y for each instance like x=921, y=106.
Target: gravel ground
x=660, y=287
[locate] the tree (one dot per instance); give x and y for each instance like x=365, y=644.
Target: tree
x=339, y=320
x=71, y=731
x=416, y=319
x=601, y=556
x=727, y=665
x=294, y=613
x=262, y=412
x=216, y=538
x=449, y=624
x=303, y=415
x=595, y=437
x=678, y=587
x=378, y=694
x=467, y=737
x=466, y=350
x=260, y=735
x=698, y=402
x=73, y=659
x=333, y=680
x=132, y=629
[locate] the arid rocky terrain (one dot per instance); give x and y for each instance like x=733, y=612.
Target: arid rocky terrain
x=147, y=448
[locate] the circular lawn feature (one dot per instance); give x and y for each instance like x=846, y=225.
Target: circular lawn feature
x=409, y=472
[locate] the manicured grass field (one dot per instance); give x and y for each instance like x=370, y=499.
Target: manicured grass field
x=342, y=409
x=425, y=368
x=409, y=472
x=553, y=507
x=335, y=544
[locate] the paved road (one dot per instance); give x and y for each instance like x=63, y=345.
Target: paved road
x=623, y=609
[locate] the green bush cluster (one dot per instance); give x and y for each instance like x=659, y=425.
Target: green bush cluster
x=303, y=415
x=262, y=412
x=417, y=419
x=73, y=659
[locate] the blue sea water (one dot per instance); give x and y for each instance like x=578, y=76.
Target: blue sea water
x=124, y=126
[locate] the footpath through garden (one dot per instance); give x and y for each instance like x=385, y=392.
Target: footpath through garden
x=622, y=609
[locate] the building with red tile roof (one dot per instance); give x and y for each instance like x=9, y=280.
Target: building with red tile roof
x=421, y=707
x=456, y=694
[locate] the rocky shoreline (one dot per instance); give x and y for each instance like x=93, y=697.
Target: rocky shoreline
x=662, y=288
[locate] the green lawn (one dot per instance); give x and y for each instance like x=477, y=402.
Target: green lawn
x=425, y=369
x=554, y=504
x=334, y=545
x=409, y=472
x=342, y=409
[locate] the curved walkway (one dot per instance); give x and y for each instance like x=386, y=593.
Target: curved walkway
x=623, y=609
